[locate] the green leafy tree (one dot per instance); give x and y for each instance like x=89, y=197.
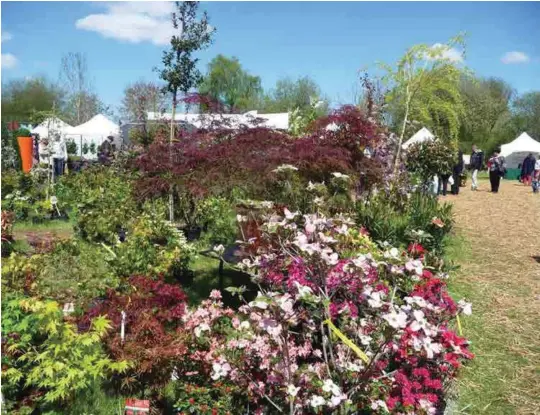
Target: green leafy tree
x=487, y=111
x=23, y=98
x=424, y=86
x=290, y=94
x=180, y=70
x=431, y=158
x=44, y=353
x=527, y=114
x=228, y=83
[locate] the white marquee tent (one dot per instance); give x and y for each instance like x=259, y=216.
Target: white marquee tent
x=516, y=151
x=51, y=124
x=96, y=131
x=278, y=121
x=419, y=137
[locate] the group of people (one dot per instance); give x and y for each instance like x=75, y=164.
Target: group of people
x=454, y=179
x=54, y=150
x=496, y=166
x=530, y=172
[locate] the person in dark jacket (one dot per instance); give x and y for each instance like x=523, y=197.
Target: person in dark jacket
x=477, y=159
x=456, y=173
x=527, y=169
x=497, y=169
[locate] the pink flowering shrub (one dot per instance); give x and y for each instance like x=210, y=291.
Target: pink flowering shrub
x=338, y=325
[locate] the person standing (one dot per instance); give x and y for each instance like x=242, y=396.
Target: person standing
x=444, y=174
x=456, y=173
x=477, y=159
x=59, y=154
x=497, y=169
x=527, y=169
x=536, y=177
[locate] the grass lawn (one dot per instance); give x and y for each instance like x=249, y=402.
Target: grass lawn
x=495, y=246
x=206, y=278
x=63, y=227
x=28, y=235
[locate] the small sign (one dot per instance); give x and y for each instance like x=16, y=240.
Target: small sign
x=54, y=200
x=68, y=309
x=137, y=406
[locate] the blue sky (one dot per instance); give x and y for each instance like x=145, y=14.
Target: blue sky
x=328, y=41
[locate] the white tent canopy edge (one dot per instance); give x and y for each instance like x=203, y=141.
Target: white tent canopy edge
x=516, y=151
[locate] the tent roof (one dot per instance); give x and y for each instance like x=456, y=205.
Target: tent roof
x=98, y=125
x=524, y=143
x=420, y=136
x=55, y=123
x=277, y=121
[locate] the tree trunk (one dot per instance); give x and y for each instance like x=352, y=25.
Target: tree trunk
x=398, y=153
x=171, y=138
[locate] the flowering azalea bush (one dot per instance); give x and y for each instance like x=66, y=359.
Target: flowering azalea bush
x=338, y=325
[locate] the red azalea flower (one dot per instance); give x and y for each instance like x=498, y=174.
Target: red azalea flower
x=437, y=222
x=416, y=250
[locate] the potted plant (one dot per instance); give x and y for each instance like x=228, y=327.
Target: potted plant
x=26, y=148
x=85, y=149
x=74, y=161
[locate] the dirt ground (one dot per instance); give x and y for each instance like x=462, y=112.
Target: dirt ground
x=500, y=274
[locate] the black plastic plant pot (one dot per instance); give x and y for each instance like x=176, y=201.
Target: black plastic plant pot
x=193, y=233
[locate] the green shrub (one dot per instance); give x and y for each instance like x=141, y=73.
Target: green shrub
x=218, y=220
x=71, y=147
x=382, y=220
x=153, y=246
x=26, y=195
x=420, y=219
x=429, y=158
x=74, y=271
x=46, y=361
x=22, y=132
x=11, y=157
x=100, y=200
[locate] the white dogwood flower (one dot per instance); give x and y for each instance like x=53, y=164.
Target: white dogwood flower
x=317, y=401
x=397, y=320
x=293, y=390
x=201, y=328
x=466, y=308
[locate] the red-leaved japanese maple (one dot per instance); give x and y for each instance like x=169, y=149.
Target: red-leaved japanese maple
x=222, y=156
x=153, y=311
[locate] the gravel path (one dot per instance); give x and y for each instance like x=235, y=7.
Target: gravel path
x=500, y=274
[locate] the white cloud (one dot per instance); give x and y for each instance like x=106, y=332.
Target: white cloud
x=9, y=61
x=6, y=36
x=452, y=54
x=515, y=57
x=133, y=22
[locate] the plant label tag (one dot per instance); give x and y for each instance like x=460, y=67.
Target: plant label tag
x=54, y=200
x=68, y=308
x=137, y=406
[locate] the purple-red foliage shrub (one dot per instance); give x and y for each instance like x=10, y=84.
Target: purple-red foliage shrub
x=153, y=311
x=216, y=159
